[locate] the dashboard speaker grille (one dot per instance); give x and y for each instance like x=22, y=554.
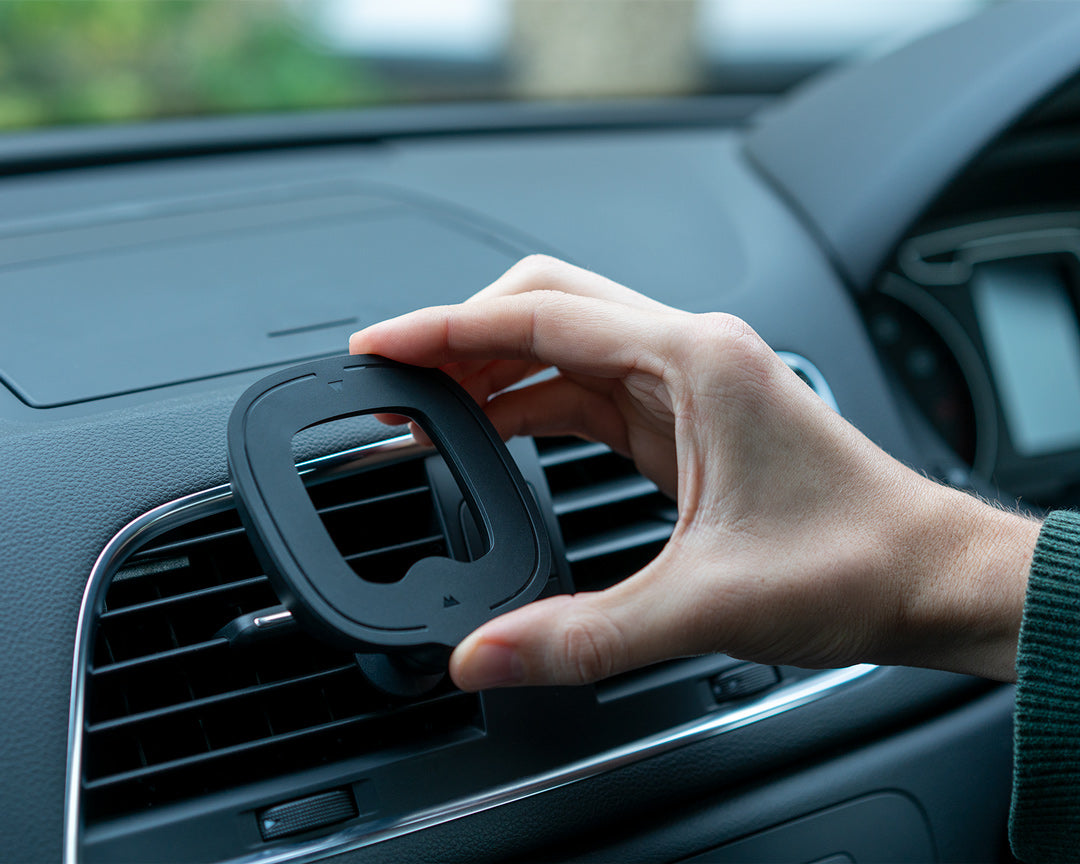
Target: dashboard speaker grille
x=612, y=519
x=176, y=710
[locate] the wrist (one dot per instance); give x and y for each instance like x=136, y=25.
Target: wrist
x=962, y=590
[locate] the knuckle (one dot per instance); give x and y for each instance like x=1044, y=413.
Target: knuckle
x=537, y=267
x=728, y=329
x=591, y=649
x=737, y=353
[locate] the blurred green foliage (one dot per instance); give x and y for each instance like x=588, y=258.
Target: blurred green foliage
x=83, y=61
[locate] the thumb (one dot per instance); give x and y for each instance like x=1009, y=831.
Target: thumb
x=574, y=639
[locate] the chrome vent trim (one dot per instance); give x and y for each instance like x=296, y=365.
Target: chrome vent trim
x=779, y=701
x=811, y=375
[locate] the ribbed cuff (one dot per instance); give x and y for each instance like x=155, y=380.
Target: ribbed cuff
x=1045, y=821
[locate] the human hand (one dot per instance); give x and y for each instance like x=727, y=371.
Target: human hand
x=798, y=540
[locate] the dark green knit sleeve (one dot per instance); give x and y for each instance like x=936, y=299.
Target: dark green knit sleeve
x=1045, y=821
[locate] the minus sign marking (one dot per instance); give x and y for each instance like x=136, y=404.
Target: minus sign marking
x=310, y=328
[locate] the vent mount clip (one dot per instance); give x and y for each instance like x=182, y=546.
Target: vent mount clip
x=409, y=620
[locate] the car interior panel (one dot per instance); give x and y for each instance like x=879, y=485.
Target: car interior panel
x=904, y=231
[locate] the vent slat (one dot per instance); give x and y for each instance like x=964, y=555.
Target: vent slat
x=573, y=452
x=196, y=704
x=149, y=659
x=631, y=537
x=166, y=602
x=602, y=494
x=180, y=546
x=613, y=520
x=377, y=499
x=258, y=744
x=222, y=669
x=397, y=547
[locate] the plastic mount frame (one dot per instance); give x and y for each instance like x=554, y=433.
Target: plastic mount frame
x=439, y=600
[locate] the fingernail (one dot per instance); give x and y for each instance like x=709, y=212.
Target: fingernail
x=493, y=664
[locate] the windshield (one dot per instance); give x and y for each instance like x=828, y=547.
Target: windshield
x=92, y=61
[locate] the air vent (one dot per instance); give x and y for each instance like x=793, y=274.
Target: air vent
x=613, y=520
x=174, y=710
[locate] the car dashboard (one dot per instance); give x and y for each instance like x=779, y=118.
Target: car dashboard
x=158, y=704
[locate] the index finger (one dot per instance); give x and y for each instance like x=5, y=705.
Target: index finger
x=544, y=273
x=578, y=334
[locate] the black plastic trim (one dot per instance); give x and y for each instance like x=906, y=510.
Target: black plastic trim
x=859, y=154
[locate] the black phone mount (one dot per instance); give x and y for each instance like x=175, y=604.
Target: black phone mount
x=439, y=601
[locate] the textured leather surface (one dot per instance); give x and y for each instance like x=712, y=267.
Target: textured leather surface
x=67, y=489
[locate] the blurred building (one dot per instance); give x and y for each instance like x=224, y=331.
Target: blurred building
x=610, y=48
